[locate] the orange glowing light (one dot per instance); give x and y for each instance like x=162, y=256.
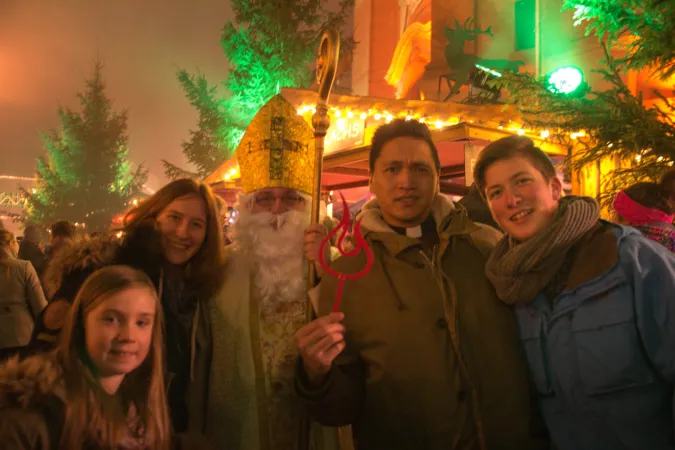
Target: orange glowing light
x=412, y=54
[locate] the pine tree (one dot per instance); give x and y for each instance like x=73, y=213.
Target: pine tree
x=643, y=28
x=86, y=176
x=615, y=121
x=270, y=45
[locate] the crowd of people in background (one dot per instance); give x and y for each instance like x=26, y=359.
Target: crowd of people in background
x=516, y=319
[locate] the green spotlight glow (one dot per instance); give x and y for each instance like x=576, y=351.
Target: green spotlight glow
x=565, y=80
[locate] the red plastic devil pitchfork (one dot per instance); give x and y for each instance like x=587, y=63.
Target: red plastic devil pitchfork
x=359, y=245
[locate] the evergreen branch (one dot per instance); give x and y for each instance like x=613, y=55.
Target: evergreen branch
x=644, y=28
x=269, y=45
x=174, y=172
x=616, y=125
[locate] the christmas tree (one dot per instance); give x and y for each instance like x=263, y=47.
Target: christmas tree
x=614, y=122
x=86, y=176
x=270, y=45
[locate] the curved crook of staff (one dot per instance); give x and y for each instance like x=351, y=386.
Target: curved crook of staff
x=326, y=67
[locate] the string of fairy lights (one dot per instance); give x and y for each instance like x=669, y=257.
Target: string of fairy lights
x=17, y=178
x=339, y=114
x=438, y=123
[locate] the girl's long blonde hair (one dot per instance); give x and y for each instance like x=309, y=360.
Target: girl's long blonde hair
x=139, y=409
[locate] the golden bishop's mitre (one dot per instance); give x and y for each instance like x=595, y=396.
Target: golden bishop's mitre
x=277, y=149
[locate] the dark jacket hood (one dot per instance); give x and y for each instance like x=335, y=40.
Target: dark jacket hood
x=140, y=248
x=81, y=255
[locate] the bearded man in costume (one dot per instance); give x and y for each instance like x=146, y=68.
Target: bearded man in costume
x=262, y=302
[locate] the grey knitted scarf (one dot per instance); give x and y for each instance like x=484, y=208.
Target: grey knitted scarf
x=519, y=271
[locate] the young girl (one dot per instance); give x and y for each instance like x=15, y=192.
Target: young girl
x=103, y=386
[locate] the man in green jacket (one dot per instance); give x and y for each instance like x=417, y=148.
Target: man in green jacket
x=422, y=354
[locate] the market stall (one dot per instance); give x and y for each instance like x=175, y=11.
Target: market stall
x=459, y=131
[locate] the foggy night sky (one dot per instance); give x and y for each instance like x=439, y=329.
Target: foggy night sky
x=48, y=49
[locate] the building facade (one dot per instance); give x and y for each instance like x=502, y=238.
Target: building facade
x=408, y=39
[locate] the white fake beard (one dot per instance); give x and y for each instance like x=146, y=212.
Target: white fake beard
x=274, y=242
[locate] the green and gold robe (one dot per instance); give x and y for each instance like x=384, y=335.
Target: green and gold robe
x=251, y=401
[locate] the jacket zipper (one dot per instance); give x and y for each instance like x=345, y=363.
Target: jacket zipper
x=432, y=260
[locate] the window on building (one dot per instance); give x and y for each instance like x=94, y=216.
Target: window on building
x=525, y=24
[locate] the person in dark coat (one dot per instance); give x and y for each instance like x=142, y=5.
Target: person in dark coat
x=477, y=209
x=29, y=249
x=668, y=185
x=61, y=235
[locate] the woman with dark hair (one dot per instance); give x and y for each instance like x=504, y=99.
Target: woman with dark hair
x=646, y=206
x=175, y=238
x=30, y=249
x=103, y=386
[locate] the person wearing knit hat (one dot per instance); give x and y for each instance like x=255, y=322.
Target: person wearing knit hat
x=645, y=206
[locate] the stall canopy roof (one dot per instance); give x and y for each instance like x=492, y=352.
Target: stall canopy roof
x=452, y=126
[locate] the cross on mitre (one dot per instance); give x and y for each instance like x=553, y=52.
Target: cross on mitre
x=278, y=144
